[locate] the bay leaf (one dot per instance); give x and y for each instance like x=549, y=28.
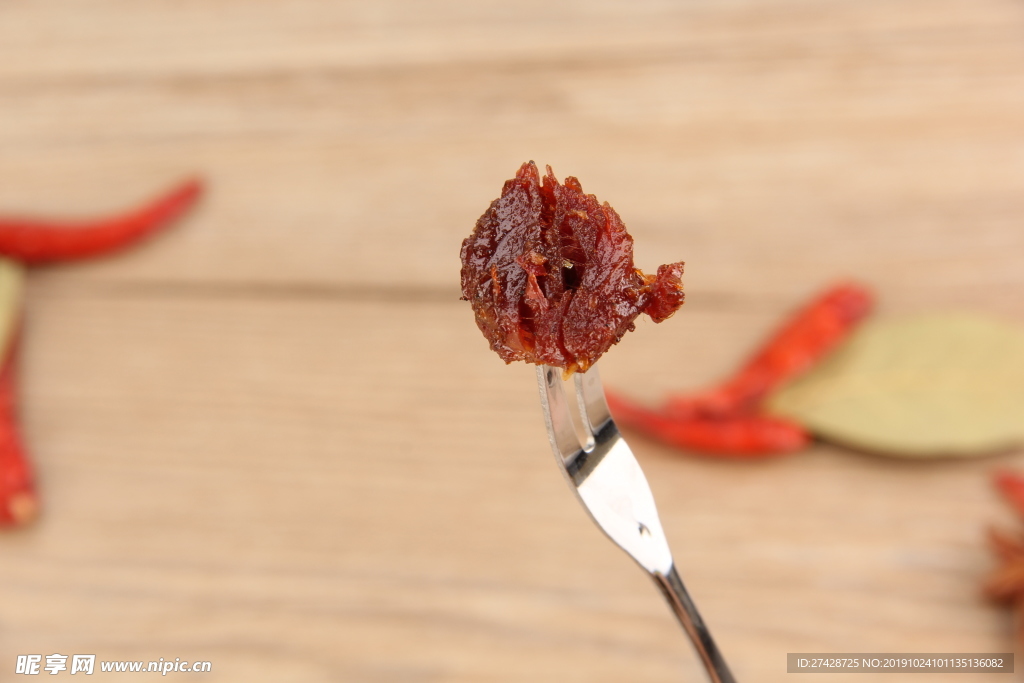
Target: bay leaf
x=941, y=384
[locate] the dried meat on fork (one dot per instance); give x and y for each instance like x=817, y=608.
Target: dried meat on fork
x=549, y=272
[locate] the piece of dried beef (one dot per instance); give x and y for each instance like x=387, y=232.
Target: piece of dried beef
x=549, y=273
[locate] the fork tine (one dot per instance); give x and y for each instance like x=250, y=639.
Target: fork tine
x=561, y=432
x=591, y=402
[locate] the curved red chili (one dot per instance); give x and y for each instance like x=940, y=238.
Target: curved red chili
x=728, y=419
x=814, y=331
x=36, y=242
x=740, y=436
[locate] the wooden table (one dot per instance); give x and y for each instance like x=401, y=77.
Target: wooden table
x=273, y=438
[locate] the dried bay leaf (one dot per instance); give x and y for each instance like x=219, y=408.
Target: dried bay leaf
x=944, y=384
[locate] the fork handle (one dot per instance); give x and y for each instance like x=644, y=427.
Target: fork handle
x=672, y=588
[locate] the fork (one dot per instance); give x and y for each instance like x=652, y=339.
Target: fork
x=609, y=483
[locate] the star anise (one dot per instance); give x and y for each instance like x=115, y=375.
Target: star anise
x=1005, y=585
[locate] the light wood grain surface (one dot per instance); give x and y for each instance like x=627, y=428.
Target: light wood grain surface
x=274, y=439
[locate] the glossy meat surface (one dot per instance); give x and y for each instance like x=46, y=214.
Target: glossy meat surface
x=549, y=273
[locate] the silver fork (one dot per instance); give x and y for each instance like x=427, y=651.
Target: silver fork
x=609, y=482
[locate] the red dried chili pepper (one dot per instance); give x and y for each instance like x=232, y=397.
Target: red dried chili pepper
x=741, y=436
x=806, y=338
x=18, y=502
x=728, y=419
x=36, y=242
